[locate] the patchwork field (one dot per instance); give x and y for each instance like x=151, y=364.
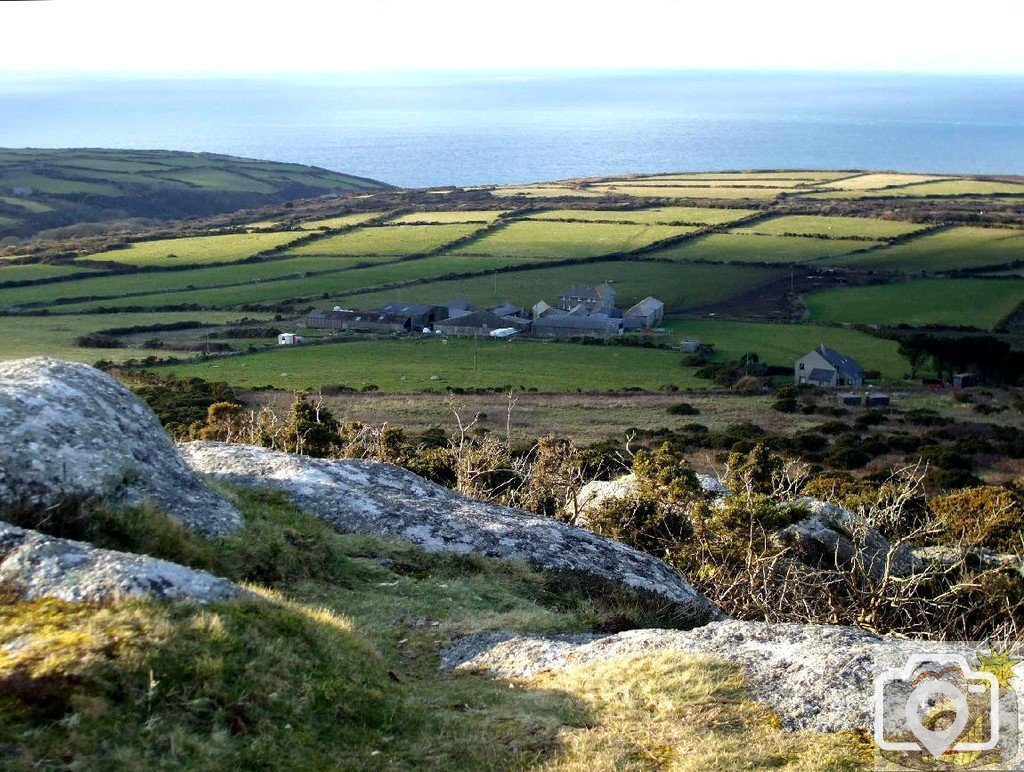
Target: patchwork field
x=945, y=250
x=461, y=216
x=37, y=271
x=680, y=287
x=742, y=247
x=877, y=181
x=321, y=286
x=977, y=303
x=686, y=191
x=196, y=250
x=665, y=215
x=339, y=222
x=559, y=240
x=388, y=240
x=26, y=336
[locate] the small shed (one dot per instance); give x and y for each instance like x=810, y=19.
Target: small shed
x=849, y=398
x=289, y=339
x=963, y=380
x=876, y=400
x=690, y=345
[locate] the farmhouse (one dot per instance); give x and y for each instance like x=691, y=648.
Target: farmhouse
x=599, y=298
x=827, y=367
x=645, y=315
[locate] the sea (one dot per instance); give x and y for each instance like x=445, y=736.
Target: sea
x=429, y=128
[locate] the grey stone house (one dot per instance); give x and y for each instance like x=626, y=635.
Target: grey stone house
x=599, y=298
x=827, y=367
x=645, y=315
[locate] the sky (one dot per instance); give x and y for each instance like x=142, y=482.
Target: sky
x=217, y=37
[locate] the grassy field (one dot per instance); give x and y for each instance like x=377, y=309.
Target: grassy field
x=711, y=191
x=736, y=182
x=545, y=191
x=681, y=287
x=969, y=302
x=747, y=248
x=313, y=286
x=168, y=281
x=462, y=216
x=35, y=271
x=197, y=249
x=962, y=247
x=664, y=215
x=833, y=227
x=963, y=188
x=388, y=240
x=26, y=336
x=875, y=181
x=409, y=365
x=568, y=239
x=339, y=222
x=782, y=344
x=731, y=176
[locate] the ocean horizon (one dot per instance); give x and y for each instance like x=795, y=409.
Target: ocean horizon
x=462, y=128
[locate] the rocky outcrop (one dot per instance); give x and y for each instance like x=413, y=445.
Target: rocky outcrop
x=33, y=565
x=370, y=497
x=816, y=677
x=833, y=537
x=71, y=433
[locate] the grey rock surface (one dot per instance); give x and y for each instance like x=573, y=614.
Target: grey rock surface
x=832, y=536
x=596, y=492
x=376, y=498
x=815, y=677
x=70, y=433
x=34, y=565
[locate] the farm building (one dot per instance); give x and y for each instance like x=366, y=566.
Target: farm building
x=459, y=307
x=477, y=324
x=963, y=381
x=690, y=345
x=289, y=339
x=506, y=309
x=419, y=315
x=360, y=321
x=578, y=323
x=645, y=315
x=599, y=298
x=827, y=367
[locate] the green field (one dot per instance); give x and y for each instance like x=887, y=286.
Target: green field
x=568, y=239
x=34, y=271
x=313, y=286
x=26, y=336
x=968, y=302
x=120, y=285
x=833, y=227
x=461, y=216
x=545, y=191
x=197, y=249
x=388, y=240
x=664, y=215
x=711, y=191
x=782, y=344
x=722, y=182
x=408, y=365
x=876, y=180
x=339, y=222
x=746, y=248
x=963, y=188
x=945, y=250
x=681, y=287
x=753, y=176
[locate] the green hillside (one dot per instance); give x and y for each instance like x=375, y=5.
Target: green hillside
x=47, y=189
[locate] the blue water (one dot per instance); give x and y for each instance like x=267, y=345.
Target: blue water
x=421, y=129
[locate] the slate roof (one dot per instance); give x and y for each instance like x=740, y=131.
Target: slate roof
x=844, y=364
x=645, y=307
x=480, y=319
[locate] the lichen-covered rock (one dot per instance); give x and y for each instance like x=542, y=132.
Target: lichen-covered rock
x=972, y=557
x=70, y=433
x=33, y=565
x=832, y=537
x=370, y=497
x=816, y=677
x=595, y=493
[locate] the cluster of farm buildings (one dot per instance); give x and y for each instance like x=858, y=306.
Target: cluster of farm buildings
x=582, y=311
